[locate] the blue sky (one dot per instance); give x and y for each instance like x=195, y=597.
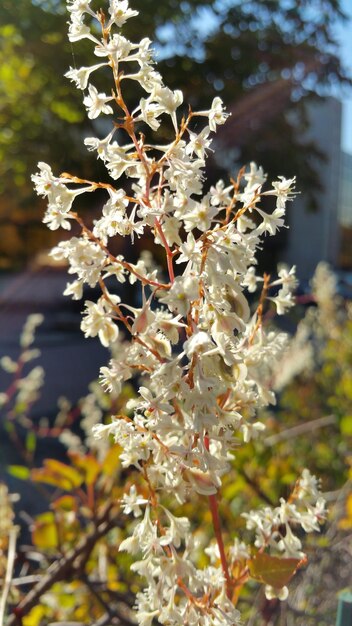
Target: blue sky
x=345, y=37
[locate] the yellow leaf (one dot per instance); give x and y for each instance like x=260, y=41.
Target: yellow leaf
x=346, y=425
x=87, y=464
x=44, y=534
x=65, y=503
x=346, y=522
x=111, y=462
x=57, y=474
x=34, y=617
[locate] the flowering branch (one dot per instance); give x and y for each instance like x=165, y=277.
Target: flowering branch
x=203, y=360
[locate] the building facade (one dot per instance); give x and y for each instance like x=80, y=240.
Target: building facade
x=315, y=234
x=345, y=200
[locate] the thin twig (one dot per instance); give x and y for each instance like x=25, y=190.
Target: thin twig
x=256, y=488
x=98, y=596
x=65, y=566
x=301, y=429
x=104, y=620
x=26, y=580
x=11, y=555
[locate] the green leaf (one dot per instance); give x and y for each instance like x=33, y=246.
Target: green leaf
x=31, y=441
x=66, y=113
x=9, y=427
x=19, y=471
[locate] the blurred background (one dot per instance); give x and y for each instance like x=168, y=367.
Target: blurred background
x=283, y=69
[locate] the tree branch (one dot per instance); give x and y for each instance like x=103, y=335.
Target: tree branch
x=300, y=429
x=66, y=565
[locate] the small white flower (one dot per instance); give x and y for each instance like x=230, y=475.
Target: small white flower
x=132, y=502
x=78, y=29
x=182, y=292
x=255, y=177
x=120, y=12
x=168, y=100
x=74, y=289
x=283, y=189
x=97, y=321
x=149, y=112
x=271, y=222
x=251, y=280
x=96, y=103
x=239, y=551
x=308, y=486
x=118, y=48
x=79, y=7
x=199, y=342
x=81, y=76
x=8, y=364
x=283, y=301
x=217, y=114
x=212, y=551
x=198, y=144
x=220, y=195
x=281, y=593
x=44, y=179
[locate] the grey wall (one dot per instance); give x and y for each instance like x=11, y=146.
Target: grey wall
x=314, y=235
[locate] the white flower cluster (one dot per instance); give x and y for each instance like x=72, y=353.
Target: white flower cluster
x=274, y=527
x=204, y=358
x=321, y=322
x=25, y=388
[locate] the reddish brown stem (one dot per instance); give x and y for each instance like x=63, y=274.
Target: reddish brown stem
x=169, y=255
x=214, y=509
